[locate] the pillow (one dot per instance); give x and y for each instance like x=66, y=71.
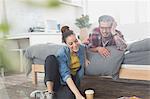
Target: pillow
x=143, y=45
x=37, y=54
x=108, y=66
x=41, y=51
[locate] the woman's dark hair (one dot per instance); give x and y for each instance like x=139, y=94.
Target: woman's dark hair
x=66, y=34
x=64, y=29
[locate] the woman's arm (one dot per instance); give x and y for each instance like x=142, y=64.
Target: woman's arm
x=74, y=89
x=66, y=74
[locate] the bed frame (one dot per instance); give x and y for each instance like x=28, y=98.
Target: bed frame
x=135, y=72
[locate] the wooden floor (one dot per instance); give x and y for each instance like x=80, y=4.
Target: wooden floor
x=19, y=87
x=106, y=88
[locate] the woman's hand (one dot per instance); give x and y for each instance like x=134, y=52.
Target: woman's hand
x=87, y=62
x=79, y=97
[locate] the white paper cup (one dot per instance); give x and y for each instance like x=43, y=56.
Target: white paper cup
x=89, y=94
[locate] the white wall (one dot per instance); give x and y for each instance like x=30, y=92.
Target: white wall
x=22, y=16
x=0, y=10
x=132, y=16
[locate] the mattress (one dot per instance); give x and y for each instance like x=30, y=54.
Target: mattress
x=138, y=67
x=137, y=58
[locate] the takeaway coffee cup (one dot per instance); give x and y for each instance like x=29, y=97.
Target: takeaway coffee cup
x=89, y=94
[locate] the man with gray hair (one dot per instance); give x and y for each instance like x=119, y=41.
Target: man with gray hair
x=106, y=35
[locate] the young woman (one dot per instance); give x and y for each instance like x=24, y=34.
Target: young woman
x=64, y=71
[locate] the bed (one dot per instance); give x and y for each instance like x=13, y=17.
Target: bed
x=127, y=71
x=132, y=65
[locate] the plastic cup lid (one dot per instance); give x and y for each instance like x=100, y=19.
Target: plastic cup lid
x=89, y=91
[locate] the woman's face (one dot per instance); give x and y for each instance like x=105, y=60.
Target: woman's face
x=72, y=43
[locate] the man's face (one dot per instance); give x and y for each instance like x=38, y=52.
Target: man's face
x=105, y=28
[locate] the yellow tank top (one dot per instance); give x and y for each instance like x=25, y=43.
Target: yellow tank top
x=75, y=64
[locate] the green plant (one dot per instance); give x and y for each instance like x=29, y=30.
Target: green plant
x=83, y=22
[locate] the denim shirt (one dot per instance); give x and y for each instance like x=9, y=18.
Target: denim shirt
x=63, y=56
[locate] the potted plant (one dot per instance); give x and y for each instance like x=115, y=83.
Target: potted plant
x=84, y=25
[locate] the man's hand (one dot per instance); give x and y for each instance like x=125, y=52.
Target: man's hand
x=103, y=51
x=113, y=28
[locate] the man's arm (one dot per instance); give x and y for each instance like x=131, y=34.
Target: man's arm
x=101, y=50
x=94, y=49
x=120, y=42
x=118, y=37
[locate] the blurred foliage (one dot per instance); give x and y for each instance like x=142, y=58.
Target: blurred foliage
x=43, y=3
x=4, y=28
x=83, y=22
x=4, y=58
x=7, y=60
